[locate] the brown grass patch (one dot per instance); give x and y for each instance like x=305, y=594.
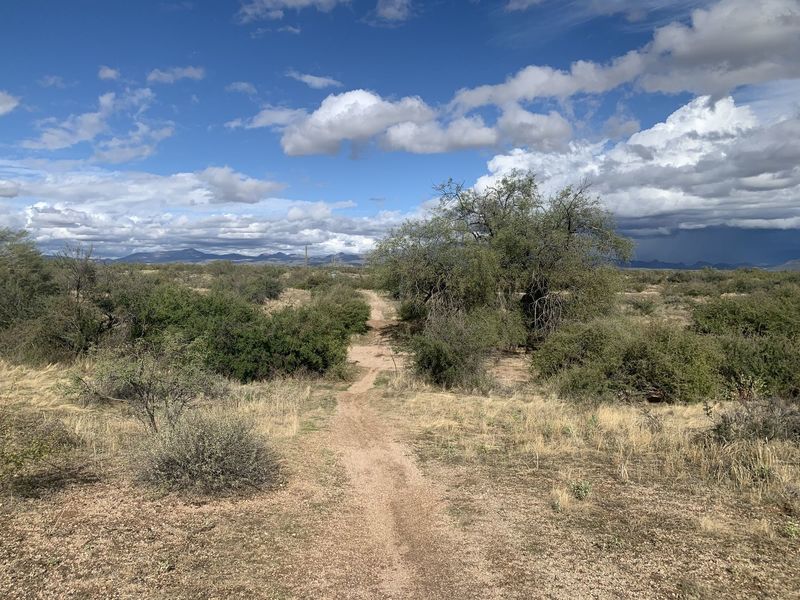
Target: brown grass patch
x=289, y=298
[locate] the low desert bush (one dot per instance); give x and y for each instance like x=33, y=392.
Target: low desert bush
x=451, y=350
x=311, y=278
x=157, y=383
x=763, y=313
x=759, y=419
x=619, y=358
x=670, y=364
x=771, y=363
x=238, y=340
x=412, y=310
x=207, y=454
x=254, y=284
x=345, y=306
x=643, y=306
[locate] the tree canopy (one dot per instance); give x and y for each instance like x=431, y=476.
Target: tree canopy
x=506, y=246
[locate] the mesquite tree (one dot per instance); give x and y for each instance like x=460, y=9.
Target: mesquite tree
x=506, y=246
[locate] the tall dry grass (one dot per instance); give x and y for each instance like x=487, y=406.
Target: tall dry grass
x=107, y=432
x=660, y=443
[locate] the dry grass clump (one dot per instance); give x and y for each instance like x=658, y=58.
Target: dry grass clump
x=104, y=431
x=36, y=452
x=275, y=407
x=658, y=443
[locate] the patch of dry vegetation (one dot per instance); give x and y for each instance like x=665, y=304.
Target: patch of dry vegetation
x=663, y=444
x=289, y=298
x=107, y=435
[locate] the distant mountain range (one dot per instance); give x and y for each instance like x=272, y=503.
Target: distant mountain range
x=191, y=255
x=679, y=266
x=792, y=265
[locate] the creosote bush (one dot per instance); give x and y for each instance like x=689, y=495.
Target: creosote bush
x=776, y=312
x=238, y=340
x=208, y=454
x=254, y=284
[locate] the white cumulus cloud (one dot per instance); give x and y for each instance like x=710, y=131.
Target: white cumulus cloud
x=706, y=164
x=357, y=116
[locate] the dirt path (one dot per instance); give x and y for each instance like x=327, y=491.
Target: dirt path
x=417, y=551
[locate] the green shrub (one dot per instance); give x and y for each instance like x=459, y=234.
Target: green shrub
x=578, y=344
x=452, y=348
x=679, y=277
x=157, y=383
x=25, y=278
x=306, y=339
x=580, y=489
x=303, y=339
x=207, y=454
x=263, y=288
x=412, y=310
x=638, y=279
x=254, y=284
x=668, y=364
x=643, y=306
x=62, y=330
x=759, y=314
x=310, y=278
x=345, y=306
x=238, y=340
x=771, y=361
x=607, y=358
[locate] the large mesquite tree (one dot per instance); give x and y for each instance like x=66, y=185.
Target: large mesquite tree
x=506, y=246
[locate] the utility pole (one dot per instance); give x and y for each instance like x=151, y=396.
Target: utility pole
x=306, y=255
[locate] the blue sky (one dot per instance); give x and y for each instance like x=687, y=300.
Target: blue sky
x=264, y=125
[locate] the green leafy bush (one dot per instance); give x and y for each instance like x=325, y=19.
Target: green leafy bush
x=25, y=278
x=759, y=314
x=451, y=350
x=262, y=288
x=254, y=284
x=579, y=344
x=665, y=363
x=238, y=340
x=207, y=454
x=608, y=358
x=345, y=306
x=643, y=306
x=412, y=310
x=771, y=361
